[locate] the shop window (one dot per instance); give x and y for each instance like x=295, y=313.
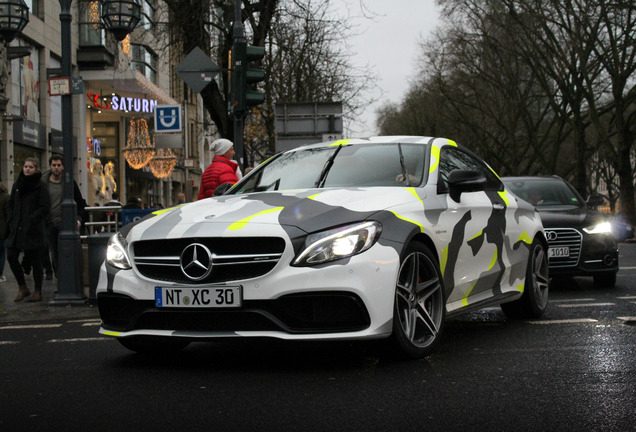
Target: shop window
x=25, y=84
x=103, y=162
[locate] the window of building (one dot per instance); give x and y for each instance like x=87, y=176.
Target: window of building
x=25, y=91
x=90, y=31
x=144, y=60
x=35, y=7
x=148, y=15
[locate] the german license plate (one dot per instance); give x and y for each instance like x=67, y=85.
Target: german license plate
x=189, y=297
x=558, y=252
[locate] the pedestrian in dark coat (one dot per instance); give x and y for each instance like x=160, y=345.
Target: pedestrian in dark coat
x=28, y=208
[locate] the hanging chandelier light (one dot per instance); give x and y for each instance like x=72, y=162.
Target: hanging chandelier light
x=139, y=150
x=162, y=163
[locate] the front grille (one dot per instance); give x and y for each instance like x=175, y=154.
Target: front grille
x=564, y=237
x=233, y=258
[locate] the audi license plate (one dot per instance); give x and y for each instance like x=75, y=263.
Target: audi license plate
x=188, y=297
x=559, y=252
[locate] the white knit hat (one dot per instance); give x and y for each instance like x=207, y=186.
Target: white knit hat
x=221, y=146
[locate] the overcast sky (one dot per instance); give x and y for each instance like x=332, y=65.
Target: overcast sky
x=389, y=44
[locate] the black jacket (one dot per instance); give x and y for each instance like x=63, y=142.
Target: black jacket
x=28, y=208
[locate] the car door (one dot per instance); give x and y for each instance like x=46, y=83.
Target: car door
x=475, y=264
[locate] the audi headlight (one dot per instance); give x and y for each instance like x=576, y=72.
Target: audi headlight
x=601, y=228
x=338, y=243
x=116, y=254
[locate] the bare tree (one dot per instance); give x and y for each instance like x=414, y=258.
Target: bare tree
x=306, y=61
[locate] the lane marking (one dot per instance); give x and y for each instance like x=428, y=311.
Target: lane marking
x=628, y=320
x=31, y=326
x=586, y=305
x=565, y=321
x=572, y=300
x=627, y=298
x=9, y=342
x=79, y=340
x=92, y=324
x=627, y=268
x=85, y=320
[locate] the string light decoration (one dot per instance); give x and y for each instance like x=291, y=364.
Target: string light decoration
x=162, y=163
x=93, y=14
x=139, y=150
x=125, y=46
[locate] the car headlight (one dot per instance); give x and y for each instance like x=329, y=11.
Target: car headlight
x=601, y=228
x=338, y=243
x=116, y=254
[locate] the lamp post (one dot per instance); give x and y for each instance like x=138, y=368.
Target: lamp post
x=121, y=17
x=14, y=16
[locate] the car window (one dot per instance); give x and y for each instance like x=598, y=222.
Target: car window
x=353, y=166
x=452, y=159
x=545, y=192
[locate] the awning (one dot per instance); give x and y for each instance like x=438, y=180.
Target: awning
x=130, y=81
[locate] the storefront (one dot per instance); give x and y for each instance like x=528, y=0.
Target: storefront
x=116, y=118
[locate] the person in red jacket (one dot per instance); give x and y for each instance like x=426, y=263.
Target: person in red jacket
x=222, y=169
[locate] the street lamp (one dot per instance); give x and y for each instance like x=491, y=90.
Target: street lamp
x=121, y=17
x=14, y=16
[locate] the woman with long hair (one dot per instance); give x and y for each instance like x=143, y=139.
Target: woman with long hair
x=29, y=204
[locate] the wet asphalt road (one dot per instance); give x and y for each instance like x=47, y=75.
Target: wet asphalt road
x=573, y=370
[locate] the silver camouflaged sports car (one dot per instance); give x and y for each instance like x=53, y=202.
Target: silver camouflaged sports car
x=354, y=239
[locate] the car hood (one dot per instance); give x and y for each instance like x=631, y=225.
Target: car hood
x=247, y=214
x=579, y=217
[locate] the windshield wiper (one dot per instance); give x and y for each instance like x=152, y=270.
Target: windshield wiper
x=325, y=169
x=407, y=179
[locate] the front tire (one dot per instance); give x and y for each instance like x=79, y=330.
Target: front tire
x=419, y=310
x=154, y=344
x=534, y=300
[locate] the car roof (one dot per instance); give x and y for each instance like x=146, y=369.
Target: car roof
x=526, y=178
x=381, y=139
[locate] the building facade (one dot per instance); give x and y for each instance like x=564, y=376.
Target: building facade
x=116, y=87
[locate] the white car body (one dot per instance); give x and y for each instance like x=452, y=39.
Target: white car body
x=481, y=243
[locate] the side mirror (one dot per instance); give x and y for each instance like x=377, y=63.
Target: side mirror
x=222, y=188
x=595, y=201
x=460, y=181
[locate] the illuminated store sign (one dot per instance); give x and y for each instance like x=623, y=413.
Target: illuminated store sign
x=119, y=103
x=94, y=146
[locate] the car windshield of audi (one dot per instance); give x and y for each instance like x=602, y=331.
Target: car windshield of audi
x=580, y=238
x=377, y=238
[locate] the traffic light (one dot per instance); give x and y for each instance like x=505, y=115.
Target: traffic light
x=245, y=76
x=253, y=75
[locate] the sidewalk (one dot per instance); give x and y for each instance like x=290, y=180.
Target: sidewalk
x=24, y=311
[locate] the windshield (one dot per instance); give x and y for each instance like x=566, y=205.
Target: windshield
x=545, y=193
x=353, y=166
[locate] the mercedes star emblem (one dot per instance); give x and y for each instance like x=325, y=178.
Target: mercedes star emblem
x=196, y=261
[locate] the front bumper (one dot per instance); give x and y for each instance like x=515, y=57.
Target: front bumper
x=599, y=254
x=352, y=299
